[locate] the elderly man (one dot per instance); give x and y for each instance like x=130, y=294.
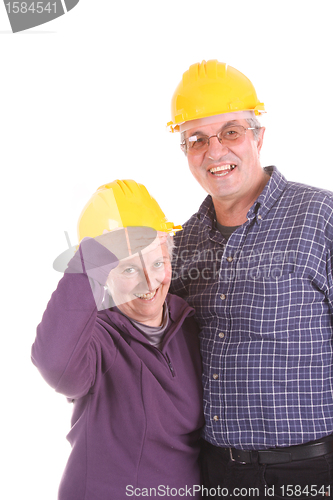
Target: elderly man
x=255, y=262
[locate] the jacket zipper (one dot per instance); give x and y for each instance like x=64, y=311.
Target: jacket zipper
x=170, y=365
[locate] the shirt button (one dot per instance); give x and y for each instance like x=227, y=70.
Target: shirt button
x=215, y=376
x=259, y=217
x=216, y=418
x=230, y=259
x=222, y=296
x=221, y=335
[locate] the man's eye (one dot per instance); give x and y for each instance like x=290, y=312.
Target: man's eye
x=196, y=141
x=231, y=133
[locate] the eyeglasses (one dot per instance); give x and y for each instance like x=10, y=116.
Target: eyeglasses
x=229, y=136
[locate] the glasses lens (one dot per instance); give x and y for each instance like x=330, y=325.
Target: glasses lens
x=196, y=143
x=232, y=134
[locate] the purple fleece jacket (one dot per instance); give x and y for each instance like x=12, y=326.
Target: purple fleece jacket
x=137, y=411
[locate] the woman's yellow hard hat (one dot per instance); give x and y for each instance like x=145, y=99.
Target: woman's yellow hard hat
x=212, y=88
x=122, y=203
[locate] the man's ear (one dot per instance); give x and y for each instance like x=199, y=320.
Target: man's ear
x=260, y=139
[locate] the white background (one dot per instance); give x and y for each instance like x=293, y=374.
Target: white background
x=85, y=100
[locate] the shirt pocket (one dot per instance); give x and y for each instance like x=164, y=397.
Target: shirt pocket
x=281, y=308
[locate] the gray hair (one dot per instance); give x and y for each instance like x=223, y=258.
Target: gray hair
x=170, y=246
x=254, y=123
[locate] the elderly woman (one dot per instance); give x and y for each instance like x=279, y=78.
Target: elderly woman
x=126, y=353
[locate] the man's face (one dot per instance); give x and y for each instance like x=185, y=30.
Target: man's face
x=227, y=173
x=140, y=283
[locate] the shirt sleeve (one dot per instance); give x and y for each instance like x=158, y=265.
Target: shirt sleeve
x=68, y=345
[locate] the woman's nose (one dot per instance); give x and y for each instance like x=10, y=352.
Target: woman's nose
x=148, y=280
x=152, y=279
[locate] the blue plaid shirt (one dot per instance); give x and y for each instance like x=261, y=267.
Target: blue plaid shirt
x=263, y=300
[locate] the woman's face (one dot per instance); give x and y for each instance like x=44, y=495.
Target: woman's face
x=140, y=283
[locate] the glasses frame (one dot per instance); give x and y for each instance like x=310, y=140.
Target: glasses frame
x=185, y=150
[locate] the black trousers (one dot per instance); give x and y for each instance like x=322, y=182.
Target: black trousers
x=301, y=480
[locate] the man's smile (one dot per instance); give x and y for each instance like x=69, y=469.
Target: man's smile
x=222, y=170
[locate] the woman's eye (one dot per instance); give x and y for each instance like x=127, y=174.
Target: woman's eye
x=129, y=270
x=158, y=265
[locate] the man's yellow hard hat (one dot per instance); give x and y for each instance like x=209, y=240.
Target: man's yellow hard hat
x=212, y=88
x=121, y=203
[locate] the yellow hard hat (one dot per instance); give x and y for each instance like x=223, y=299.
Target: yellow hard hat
x=121, y=203
x=212, y=88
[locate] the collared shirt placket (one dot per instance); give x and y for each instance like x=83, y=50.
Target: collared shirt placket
x=232, y=266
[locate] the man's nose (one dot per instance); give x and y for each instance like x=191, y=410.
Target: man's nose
x=215, y=148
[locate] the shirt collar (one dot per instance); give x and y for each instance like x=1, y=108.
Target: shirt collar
x=206, y=212
x=271, y=193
